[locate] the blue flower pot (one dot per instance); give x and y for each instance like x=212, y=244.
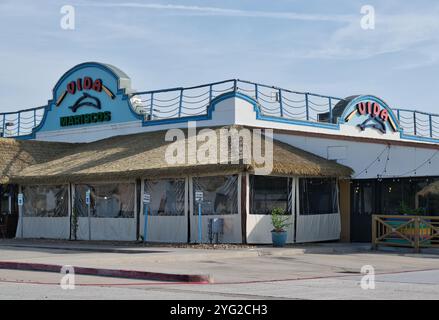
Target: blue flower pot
x=279, y=238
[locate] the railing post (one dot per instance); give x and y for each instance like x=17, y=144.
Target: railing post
x=18, y=123
x=374, y=232
x=280, y=103
x=180, y=105
x=330, y=110
x=414, y=122
x=397, y=115
x=35, y=118
x=151, y=107
x=417, y=234
x=210, y=94
x=256, y=92
x=306, y=105
x=431, y=126
x=4, y=125
x=235, y=87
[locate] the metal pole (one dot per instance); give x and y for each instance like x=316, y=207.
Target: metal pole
x=414, y=123
x=199, y=222
x=280, y=103
x=180, y=103
x=18, y=124
x=431, y=126
x=145, y=223
x=4, y=126
x=20, y=213
x=306, y=106
x=330, y=110
x=89, y=218
x=151, y=108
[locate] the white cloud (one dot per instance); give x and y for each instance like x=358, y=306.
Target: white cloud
x=215, y=11
x=393, y=33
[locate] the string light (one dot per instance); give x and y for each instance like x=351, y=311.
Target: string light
x=415, y=170
x=372, y=163
x=383, y=173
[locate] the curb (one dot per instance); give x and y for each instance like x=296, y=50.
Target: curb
x=116, y=273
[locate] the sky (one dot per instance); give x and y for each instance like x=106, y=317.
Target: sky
x=315, y=45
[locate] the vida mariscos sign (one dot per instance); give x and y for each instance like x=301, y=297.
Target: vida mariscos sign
x=95, y=117
x=88, y=90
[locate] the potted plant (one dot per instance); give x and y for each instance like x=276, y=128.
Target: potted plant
x=279, y=220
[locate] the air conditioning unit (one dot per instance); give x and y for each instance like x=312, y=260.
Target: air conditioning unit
x=216, y=229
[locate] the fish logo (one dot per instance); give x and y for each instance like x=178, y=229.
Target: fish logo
x=86, y=100
x=373, y=122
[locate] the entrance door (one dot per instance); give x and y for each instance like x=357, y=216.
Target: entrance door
x=362, y=207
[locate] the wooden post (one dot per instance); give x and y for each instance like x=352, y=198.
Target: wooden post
x=374, y=232
x=417, y=234
x=345, y=209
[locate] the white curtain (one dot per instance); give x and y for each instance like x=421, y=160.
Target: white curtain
x=318, y=210
x=167, y=210
x=112, y=211
x=220, y=200
x=45, y=212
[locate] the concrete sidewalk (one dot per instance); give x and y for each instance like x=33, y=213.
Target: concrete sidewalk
x=178, y=252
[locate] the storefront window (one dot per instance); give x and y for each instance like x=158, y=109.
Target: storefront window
x=318, y=196
x=108, y=200
x=45, y=201
x=166, y=196
x=420, y=195
x=392, y=196
x=268, y=193
x=220, y=195
x=427, y=196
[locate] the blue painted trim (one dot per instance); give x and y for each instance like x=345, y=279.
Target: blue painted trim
x=418, y=138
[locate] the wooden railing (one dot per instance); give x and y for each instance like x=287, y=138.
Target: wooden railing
x=405, y=231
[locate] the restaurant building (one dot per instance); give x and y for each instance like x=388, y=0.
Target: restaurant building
x=94, y=163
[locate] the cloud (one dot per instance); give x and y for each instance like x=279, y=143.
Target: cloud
x=215, y=11
x=392, y=34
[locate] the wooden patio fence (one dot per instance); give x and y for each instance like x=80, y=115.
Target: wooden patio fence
x=405, y=231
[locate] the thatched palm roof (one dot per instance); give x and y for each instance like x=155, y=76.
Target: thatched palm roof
x=142, y=155
x=16, y=155
x=432, y=188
